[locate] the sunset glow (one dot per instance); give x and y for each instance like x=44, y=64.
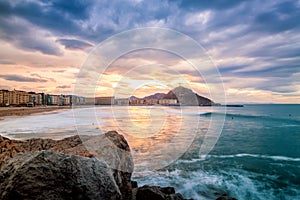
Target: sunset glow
x=44, y=45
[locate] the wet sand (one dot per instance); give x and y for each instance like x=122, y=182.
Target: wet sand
x=23, y=111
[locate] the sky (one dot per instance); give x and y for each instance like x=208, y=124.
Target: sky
x=255, y=45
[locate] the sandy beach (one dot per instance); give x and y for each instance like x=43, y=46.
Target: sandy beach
x=23, y=111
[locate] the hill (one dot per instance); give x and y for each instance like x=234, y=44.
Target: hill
x=186, y=96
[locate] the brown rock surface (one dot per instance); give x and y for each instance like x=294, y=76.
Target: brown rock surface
x=71, y=145
x=110, y=147
x=158, y=193
x=48, y=175
x=225, y=197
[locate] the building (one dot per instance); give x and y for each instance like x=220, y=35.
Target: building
x=105, y=100
x=35, y=98
x=90, y=100
x=14, y=97
x=151, y=101
x=77, y=100
x=137, y=102
x=168, y=102
x=44, y=99
x=4, y=97
x=66, y=100
x=122, y=102
x=54, y=99
x=22, y=98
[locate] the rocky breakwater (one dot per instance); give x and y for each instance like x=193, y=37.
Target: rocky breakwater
x=85, y=167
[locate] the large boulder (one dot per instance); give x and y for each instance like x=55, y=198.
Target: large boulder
x=116, y=153
x=49, y=175
x=11, y=148
x=110, y=147
x=158, y=193
x=225, y=197
x=77, y=167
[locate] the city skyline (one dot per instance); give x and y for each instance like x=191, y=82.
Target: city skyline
x=255, y=46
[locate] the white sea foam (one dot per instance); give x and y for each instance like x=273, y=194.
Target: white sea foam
x=201, y=184
x=46, y=123
x=275, y=158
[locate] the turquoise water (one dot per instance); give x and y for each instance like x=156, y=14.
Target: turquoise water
x=257, y=155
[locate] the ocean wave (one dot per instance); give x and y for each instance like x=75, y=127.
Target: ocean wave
x=275, y=158
x=268, y=117
x=202, y=184
x=183, y=112
x=202, y=158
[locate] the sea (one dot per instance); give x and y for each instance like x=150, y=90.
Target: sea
x=250, y=152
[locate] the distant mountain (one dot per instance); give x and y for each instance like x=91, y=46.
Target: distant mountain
x=133, y=98
x=156, y=96
x=183, y=95
x=186, y=96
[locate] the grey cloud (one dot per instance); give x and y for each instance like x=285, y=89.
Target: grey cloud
x=63, y=87
x=74, y=44
x=213, y=4
x=7, y=62
x=37, y=75
x=24, y=36
x=59, y=71
x=235, y=28
x=19, y=78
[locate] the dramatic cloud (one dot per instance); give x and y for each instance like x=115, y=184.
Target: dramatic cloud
x=247, y=40
x=74, y=44
x=21, y=78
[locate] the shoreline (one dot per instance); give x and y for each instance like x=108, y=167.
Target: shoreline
x=26, y=111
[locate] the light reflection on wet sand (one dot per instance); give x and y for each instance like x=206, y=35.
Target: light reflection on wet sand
x=157, y=135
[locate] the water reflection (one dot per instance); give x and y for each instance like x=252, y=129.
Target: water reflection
x=157, y=135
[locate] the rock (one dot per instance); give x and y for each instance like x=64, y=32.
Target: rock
x=110, y=147
x=77, y=167
x=49, y=175
x=115, y=152
x=225, y=197
x=134, y=184
x=158, y=193
x=71, y=145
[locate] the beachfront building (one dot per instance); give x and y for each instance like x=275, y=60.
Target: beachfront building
x=4, y=98
x=89, y=100
x=14, y=97
x=54, y=99
x=38, y=99
x=105, y=100
x=18, y=97
x=122, y=102
x=151, y=101
x=22, y=98
x=66, y=100
x=77, y=100
x=35, y=98
x=168, y=102
x=136, y=102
